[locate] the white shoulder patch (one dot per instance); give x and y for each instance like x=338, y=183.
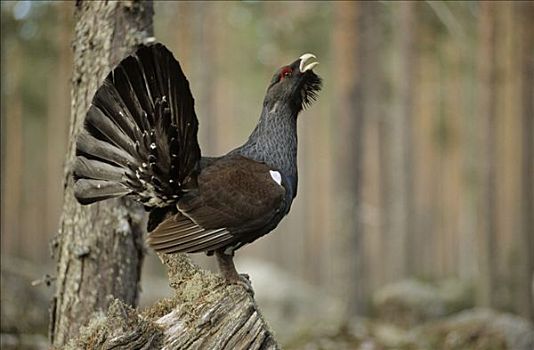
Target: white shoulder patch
x=276, y=176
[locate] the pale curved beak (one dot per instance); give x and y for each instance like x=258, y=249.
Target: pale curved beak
x=307, y=62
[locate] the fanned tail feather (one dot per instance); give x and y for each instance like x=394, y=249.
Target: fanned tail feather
x=140, y=133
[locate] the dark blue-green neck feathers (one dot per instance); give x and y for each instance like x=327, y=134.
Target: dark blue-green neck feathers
x=274, y=140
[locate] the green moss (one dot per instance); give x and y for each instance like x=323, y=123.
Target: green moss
x=120, y=322
x=160, y=308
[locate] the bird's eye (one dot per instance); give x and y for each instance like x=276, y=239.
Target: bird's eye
x=286, y=72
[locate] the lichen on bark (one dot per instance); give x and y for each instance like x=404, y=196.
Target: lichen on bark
x=204, y=313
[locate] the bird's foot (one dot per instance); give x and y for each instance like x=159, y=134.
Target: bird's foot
x=228, y=271
x=242, y=280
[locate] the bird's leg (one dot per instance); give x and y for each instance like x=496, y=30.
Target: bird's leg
x=228, y=271
x=227, y=267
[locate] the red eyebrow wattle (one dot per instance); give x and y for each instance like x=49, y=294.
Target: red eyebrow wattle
x=285, y=70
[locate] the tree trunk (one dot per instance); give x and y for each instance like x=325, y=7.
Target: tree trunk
x=205, y=51
x=398, y=174
x=408, y=55
x=58, y=120
x=487, y=113
x=205, y=313
x=99, y=248
x=349, y=55
x=12, y=150
x=526, y=288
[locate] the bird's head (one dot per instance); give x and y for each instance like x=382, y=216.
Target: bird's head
x=295, y=85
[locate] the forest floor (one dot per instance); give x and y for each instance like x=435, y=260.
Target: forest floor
x=407, y=315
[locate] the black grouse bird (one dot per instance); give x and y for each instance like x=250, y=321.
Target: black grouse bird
x=140, y=139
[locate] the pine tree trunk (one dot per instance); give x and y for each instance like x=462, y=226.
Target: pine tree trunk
x=525, y=295
x=349, y=56
x=487, y=113
x=99, y=248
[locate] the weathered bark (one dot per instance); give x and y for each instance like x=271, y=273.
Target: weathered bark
x=205, y=313
x=99, y=248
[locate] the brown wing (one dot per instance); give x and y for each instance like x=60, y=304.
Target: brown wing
x=180, y=234
x=235, y=196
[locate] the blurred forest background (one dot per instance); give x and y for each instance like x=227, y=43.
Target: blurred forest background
x=416, y=163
